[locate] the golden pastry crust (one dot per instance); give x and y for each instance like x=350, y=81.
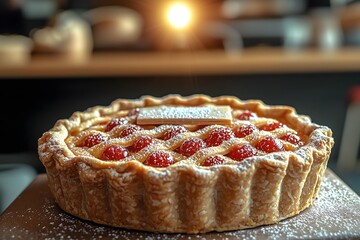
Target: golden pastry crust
x=184, y=197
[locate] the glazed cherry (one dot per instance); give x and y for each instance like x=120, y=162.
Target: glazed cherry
x=240, y=152
x=94, y=139
x=115, y=122
x=114, y=152
x=269, y=144
x=133, y=112
x=159, y=159
x=190, y=146
x=142, y=142
x=292, y=138
x=173, y=131
x=219, y=135
x=247, y=115
x=270, y=126
x=213, y=160
x=130, y=130
x=245, y=130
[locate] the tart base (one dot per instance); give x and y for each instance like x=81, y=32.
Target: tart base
x=185, y=198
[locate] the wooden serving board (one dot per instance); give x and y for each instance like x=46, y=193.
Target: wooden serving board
x=35, y=215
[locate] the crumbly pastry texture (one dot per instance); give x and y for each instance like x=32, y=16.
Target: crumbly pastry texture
x=186, y=196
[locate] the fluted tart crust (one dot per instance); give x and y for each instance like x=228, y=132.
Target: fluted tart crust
x=188, y=195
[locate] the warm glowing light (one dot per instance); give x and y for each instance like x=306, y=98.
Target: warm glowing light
x=179, y=15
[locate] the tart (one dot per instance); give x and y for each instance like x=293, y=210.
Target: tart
x=185, y=164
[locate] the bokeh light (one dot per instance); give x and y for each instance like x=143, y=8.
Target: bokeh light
x=179, y=15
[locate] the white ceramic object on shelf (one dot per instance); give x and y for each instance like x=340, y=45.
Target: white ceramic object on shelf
x=15, y=50
x=114, y=27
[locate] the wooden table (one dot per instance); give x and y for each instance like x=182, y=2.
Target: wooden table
x=34, y=215
x=215, y=62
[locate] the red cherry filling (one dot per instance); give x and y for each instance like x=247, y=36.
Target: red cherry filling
x=213, y=160
x=173, y=131
x=219, y=135
x=130, y=130
x=190, y=146
x=270, y=126
x=245, y=130
x=247, y=115
x=115, y=122
x=94, y=139
x=292, y=138
x=159, y=159
x=142, y=142
x=114, y=152
x=269, y=144
x=240, y=152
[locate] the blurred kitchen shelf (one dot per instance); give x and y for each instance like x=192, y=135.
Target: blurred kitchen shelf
x=249, y=61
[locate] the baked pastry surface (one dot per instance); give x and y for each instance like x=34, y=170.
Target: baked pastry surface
x=263, y=167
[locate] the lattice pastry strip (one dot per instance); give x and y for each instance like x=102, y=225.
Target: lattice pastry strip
x=156, y=132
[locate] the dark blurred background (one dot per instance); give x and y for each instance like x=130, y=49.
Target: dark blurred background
x=34, y=98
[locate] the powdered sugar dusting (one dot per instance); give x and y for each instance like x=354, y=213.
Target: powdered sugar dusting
x=185, y=115
x=336, y=214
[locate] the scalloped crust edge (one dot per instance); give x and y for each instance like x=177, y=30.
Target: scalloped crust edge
x=186, y=198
